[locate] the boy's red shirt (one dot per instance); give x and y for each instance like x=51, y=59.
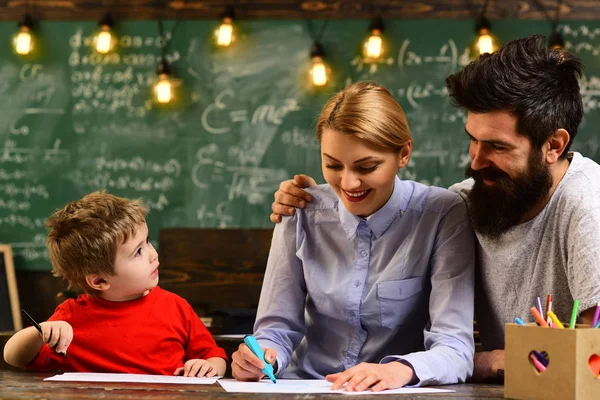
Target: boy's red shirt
x=154, y=334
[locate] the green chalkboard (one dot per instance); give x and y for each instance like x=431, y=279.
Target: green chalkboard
x=72, y=121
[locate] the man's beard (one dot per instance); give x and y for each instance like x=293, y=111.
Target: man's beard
x=493, y=210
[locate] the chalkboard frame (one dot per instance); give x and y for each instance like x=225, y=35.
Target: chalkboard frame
x=8, y=266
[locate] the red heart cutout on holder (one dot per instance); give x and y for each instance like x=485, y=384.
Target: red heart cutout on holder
x=594, y=363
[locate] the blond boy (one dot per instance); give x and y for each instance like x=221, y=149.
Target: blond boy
x=124, y=322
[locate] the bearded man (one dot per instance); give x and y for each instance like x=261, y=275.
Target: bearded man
x=534, y=206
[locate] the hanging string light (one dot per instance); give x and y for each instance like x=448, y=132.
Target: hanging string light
x=373, y=47
x=104, y=40
x=163, y=92
x=164, y=86
x=556, y=40
x=23, y=41
x=319, y=72
x=485, y=41
x=225, y=34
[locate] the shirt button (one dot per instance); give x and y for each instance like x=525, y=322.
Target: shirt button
x=357, y=283
x=352, y=314
x=363, y=253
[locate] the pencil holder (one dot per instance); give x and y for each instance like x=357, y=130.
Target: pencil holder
x=572, y=357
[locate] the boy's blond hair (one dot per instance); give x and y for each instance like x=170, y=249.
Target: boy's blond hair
x=84, y=235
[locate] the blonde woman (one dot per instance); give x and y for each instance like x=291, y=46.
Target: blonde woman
x=371, y=284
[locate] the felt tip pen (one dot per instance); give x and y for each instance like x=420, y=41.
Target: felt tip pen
x=548, y=309
x=596, y=315
x=556, y=320
x=538, y=317
x=32, y=321
x=574, y=315
x=36, y=325
x=539, y=305
x=538, y=365
x=541, y=358
x=519, y=321
x=258, y=352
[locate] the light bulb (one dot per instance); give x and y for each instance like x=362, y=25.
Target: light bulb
x=373, y=47
x=162, y=89
x=485, y=44
x=224, y=33
x=104, y=40
x=318, y=72
x=23, y=42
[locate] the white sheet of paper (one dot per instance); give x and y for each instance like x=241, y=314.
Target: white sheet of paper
x=402, y=391
x=308, y=386
x=135, y=378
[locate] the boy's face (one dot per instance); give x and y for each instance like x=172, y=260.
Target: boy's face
x=136, y=268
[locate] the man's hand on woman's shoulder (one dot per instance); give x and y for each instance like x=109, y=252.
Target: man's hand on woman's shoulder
x=290, y=195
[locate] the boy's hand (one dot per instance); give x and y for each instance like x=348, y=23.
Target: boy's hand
x=197, y=367
x=245, y=366
x=58, y=335
x=290, y=195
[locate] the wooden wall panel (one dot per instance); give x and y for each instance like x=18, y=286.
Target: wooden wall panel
x=284, y=9
x=214, y=268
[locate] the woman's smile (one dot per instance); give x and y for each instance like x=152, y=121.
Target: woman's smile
x=356, y=196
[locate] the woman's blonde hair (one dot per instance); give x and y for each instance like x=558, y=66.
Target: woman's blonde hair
x=84, y=235
x=369, y=112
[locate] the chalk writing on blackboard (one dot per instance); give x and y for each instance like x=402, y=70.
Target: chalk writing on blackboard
x=77, y=121
x=217, y=113
x=579, y=31
x=300, y=138
x=10, y=153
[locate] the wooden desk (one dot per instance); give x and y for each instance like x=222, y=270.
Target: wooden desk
x=26, y=385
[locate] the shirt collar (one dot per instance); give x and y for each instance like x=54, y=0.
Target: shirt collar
x=381, y=220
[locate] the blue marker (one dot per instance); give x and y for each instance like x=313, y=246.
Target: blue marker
x=541, y=358
x=258, y=352
x=518, y=321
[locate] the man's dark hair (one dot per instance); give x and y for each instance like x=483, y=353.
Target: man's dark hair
x=536, y=84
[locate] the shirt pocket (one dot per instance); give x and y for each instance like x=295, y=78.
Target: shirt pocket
x=398, y=299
